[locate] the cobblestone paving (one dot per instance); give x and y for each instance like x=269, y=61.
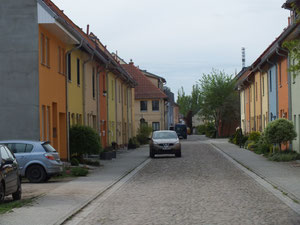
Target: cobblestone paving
x=200, y=188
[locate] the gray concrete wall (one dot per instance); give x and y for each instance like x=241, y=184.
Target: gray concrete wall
x=19, y=83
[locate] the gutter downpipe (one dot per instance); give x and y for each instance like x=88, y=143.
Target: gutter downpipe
x=83, y=85
x=289, y=81
x=98, y=102
x=274, y=64
x=254, y=97
x=261, y=97
x=289, y=87
x=67, y=96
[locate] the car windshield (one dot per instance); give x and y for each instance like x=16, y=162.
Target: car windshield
x=164, y=135
x=180, y=128
x=49, y=148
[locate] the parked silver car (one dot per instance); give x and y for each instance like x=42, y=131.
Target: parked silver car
x=38, y=161
x=165, y=142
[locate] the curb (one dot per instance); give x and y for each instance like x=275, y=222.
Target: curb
x=262, y=181
x=64, y=218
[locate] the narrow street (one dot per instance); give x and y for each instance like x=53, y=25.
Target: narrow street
x=202, y=187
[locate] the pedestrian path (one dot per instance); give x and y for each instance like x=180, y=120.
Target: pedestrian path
x=282, y=175
x=62, y=202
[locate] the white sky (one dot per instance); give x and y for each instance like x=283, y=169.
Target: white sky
x=181, y=40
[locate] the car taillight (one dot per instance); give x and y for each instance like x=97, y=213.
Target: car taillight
x=49, y=156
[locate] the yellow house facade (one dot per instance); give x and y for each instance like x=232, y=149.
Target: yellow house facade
x=111, y=115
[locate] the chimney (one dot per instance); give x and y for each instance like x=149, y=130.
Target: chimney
x=130, y=63
x=88, y=29
x=289, y=21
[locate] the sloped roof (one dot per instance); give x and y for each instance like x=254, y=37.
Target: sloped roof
x=145, y=89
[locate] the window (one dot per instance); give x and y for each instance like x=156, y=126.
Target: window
x=4, y=154
x=155, y=105
x=143, y=105
x=69, y=67
x=112, y=90
x=155, y=126
x=20, y=147
x=61, y=60
x=263, y=86
x=256, y=91
x=93, y=83
x=119, y=93
x=47, y=52
x=78, y=71
x=42, y=48
x=279, y=70
x=270, y=81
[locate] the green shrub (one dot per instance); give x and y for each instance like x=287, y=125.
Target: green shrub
x=91, y=162
x=84, y=140
x=143, y=134
x=210, y=130
x=251, y=145
x=263, y=146
x=284, y=156
x=280, y=131
x=74, y=162
x=133, y=143
x=254, y=136
x=79, y=171
x=201, y=129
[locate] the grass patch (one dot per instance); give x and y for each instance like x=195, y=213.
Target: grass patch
x=285, y=156
x=9, y=206
x=79, y=171
x=296, y=201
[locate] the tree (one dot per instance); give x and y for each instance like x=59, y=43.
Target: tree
x=280, y=131
x=219, y=99
x=189, y=105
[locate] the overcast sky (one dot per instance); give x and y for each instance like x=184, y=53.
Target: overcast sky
x=181, y=40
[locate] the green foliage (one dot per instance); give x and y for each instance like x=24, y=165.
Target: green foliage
x=284, y=156
x=220, y=101
x=189, y=103
x=263, y=146
x=238, y=138
x=293, y=47
x=91, y=162
x=254, y=136
x=74, y=162
x=84, y=140
x=143, y=134
x=210, y=130
x=201, y=129
x=79, y=171
x=280, y=131
x=9, y=206
x=251, y=145
x=133, y=143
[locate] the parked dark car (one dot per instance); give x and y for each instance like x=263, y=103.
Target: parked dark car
x=164, y=142
x=38, y=160
x=181, y=130
x=10, y=179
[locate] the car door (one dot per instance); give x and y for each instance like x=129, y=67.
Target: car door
x=14, y=173
x=21, y=151
x=7, y=169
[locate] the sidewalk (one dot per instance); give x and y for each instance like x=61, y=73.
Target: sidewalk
x=62, y=202
x=283, y=175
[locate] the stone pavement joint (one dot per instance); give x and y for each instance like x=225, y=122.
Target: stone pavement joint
x=281, y=179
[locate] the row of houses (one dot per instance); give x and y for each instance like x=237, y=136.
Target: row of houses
x=268, y=90
x=55, y=75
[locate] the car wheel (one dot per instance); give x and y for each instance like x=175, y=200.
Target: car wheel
x=36, y=174
x=151, y=153
x=2, y=192
x=178, y=154
x=17, y=195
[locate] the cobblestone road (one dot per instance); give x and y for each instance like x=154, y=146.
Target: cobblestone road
x=202, y=187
